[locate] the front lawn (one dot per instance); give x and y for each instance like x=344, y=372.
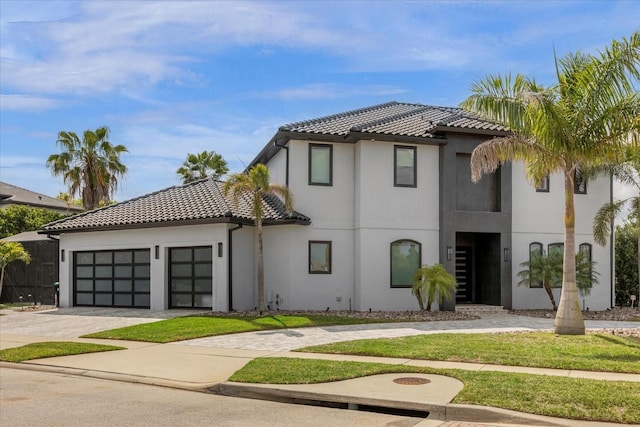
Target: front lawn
x=591, y=352
x=42, y=350
x=185, y=328
x=575, y=398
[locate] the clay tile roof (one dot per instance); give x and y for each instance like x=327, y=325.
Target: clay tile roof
x=197, y=202
x=396, y=119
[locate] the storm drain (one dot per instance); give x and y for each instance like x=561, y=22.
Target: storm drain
x=411, y=381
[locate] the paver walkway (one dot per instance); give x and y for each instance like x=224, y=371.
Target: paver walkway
x=290, y=339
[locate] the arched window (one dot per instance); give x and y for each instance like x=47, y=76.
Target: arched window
x=584, y=250
x=406, y=257
x=556, y=248
x=535, y=250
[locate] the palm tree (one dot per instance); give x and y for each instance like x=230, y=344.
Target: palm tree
x=581, y=121
x=255, y=184
x=202, y=165
x=90, y=167
x=10, y=252
x=547, y=270
x=627, y=172
x=431, y=283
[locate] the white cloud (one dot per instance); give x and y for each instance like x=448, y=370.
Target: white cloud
x=27, y=103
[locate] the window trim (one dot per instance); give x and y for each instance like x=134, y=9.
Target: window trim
x=395, y=166
x=330, y=260
x=391, y=285
x=324, y=146
x=544, y=187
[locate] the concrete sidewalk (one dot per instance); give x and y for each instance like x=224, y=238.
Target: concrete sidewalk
x=203, y=366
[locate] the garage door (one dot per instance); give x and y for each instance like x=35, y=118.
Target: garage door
x=119, y=278
x=190, y=275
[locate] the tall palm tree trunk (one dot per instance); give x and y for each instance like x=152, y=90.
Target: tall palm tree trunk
x=260, y=267
x=569, y=320
x=638, y=295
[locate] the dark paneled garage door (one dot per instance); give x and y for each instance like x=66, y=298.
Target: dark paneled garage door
x=112, y=278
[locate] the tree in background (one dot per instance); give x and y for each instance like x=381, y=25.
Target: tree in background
x=433, y=283
x=626, y=171
x=626, y=242
x=10, y=252
x=90, y=167
x=18, y=219
x=207, y=164
x=255, y=185
x=582, y=121
x=69, y=200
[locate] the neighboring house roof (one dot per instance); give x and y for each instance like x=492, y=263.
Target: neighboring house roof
x=199, y=202
x=27, y=236
x=393, y=121
x=12, y=195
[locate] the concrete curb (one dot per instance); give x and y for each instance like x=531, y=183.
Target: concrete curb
x=447, y=412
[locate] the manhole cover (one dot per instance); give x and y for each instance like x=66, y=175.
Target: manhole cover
x=411, y=381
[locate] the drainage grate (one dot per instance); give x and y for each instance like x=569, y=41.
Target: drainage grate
x=411, y=381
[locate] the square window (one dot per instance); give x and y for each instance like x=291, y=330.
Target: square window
x=544, y=185
x=320, y=257
x=320, y=164
x=404, y=166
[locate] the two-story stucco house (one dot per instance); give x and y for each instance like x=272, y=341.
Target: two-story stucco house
x=378, y=192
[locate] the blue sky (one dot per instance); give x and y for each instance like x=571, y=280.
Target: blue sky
x=171, y=78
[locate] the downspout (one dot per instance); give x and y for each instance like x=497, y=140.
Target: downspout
x=230, y=266
x=275, y=142
x=612, y=246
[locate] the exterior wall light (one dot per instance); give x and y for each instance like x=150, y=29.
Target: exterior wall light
x=449, y=252
x=157, y=251
x=506, y=254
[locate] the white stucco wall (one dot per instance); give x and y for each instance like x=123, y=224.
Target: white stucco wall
x=539, y=217
x=148, y=238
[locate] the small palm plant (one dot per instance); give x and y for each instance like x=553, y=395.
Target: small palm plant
x=546, y=270
x=433, y=283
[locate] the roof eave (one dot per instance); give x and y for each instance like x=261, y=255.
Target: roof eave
x=450, y=129
x=355, y=136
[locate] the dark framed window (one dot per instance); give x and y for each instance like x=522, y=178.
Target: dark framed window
x=544, y=185
x=579, y=181
x=190, y=277
x=319, y=257
x=404, y=171
x=118, y=278
x=320, y=164
x=406, y=256
x=535, y=250
x=556, y=248
x=585, y=251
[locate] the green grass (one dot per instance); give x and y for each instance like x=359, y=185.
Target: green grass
x=42, y=350
x=575, y=398
x=591, y=352
x=184, y=328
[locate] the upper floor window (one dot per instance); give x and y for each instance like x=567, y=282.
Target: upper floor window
x=544, y=185
x=579, y=181
x=406, y=256
x=404, y=166
x=319, y=257
x=320, y=164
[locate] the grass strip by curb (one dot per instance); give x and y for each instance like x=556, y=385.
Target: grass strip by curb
x=43, y=350
x=191, y=327
x=574, y=398
x=591, y=352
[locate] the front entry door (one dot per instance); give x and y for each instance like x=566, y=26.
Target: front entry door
x=464, y=276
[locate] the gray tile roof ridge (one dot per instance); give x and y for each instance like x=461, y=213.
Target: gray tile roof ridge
x=289, y=126
x=421, y=109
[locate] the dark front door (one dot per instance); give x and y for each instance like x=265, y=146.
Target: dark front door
x=464, y=274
